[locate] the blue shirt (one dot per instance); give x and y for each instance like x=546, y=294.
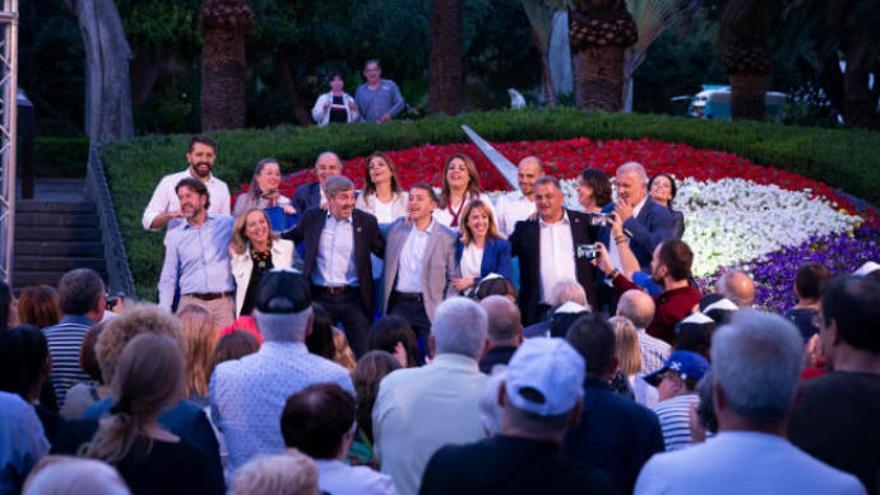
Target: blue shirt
x=22, y=442
x=374, y=103
x=197, y=258
x=335, y=254
x=65, y=340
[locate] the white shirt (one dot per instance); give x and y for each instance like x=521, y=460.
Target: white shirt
x=471, y=261
x=385, y=213
x=165, y=199
x=612, y=249
x=419, y=410
x=740, y=462
x=412, y=260
x=556, y=254
x=511, y=208
x=339, y=478
x=335, y=261
x=444, y=216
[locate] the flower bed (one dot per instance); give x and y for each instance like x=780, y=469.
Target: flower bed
x=737, y=213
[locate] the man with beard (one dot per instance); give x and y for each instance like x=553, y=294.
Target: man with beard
x=197, y=256
x=517, y=206
x=164, y=207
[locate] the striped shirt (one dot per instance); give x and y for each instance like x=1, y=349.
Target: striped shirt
x=655, y=352
x=675, y=420
x=65, y=340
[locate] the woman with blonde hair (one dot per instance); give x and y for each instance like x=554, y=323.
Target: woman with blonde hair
x=461, y=184
x=481, y=249
x=254, y=250
x=383, y=196
x=629, y=361
x=149, y=379
x=200, y=336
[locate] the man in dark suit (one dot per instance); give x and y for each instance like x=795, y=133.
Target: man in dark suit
x=547, y=249
x=312, y=195
x=338, y=243
x=645, y=222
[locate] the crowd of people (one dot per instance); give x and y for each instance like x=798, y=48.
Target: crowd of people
x=436, y=340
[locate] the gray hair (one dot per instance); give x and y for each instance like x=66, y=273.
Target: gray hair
x=548, y=179
x=756, y=361
x=290, y=473
x=460, y=326
x=63, y=475
x=637, y=306
x=80, y=291
x=504, y=318
x=337, y=184
x=568, y=290
x=286, y=327
x=633, y=167
x=330, y=154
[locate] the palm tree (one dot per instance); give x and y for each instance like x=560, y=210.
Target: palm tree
x=743, y=48
x=226, y=25
x=445, y=65
x=599, y=31
x=540, y=14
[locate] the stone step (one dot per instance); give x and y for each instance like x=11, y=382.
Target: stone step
x=81, y=249
x=49, y=219
x=57, y=234
x=22, y=279
x=57, y=263
x=41, y=206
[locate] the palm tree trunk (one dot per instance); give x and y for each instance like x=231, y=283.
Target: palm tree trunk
x=747, y=96
x=547, y=81
x=599, y=79
x=445, y=65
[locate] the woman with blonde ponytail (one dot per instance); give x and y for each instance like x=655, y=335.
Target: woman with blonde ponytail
x=149, y=378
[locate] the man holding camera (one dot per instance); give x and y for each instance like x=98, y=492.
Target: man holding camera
x=564, y=241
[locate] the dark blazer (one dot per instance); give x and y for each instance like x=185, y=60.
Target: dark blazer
x=496, y=258
x=652, y=226
x=307, y=197
x=677, y=224
x=525, y=244
x=367, y=240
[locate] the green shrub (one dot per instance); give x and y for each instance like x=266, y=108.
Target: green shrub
x=61, y=156
x=847, y=159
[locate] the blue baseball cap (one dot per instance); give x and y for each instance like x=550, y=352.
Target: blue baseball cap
x=688, y=364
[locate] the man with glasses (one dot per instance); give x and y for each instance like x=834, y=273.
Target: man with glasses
x=378, y=99
x=676, y=383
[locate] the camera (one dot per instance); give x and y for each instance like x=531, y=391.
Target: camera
x=588, y=251
x=600, y=219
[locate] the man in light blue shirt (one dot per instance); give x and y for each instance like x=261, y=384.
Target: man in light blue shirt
x=197, y=256
x=378, y=99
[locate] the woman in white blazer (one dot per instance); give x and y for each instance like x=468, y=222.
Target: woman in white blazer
x=254, y=250
x=335, y=106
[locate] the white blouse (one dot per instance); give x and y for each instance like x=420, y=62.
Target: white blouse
x=444, y=215
x=471, y=261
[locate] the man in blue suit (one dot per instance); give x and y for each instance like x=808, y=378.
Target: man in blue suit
x=645, y=222
x=311, y=196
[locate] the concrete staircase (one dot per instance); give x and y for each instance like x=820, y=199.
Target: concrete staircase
x=54, y=233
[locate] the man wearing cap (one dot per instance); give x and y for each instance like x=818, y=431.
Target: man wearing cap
x=695, y=334
x=756, y=360
x=540, y=397
x=419, y=410
x=338, y=243
x=248, y=395
x=676, y=384
x=197, y=256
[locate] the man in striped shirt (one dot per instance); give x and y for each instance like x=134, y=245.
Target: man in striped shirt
x=677, y=382
x=82, y=303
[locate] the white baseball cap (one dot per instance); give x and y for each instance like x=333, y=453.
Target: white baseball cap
x=545, y=376
x=866, y=269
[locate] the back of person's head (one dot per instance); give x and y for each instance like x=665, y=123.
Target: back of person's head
x=200, y=336
x=637, y=306
x=149, y=378
x=24, y=360
x=678, y=258
x=694, y=333
x=371, y=368
x=316, y=419
x=852, y=304
x=505, y=322
x=567, y=290
x=809, y=280
x=756, y=362
x=390, y=331
x=593, y=337
x=286, y=327
x=234, y=345
x=88, y=358
x=320, y=340
x=64, y=475
x=626, y=344
x=738, y=287
x=290, y=473
x=143, y=318
x=460, y=327
x=39, y=306
x=283, y=306
x=718, y=307
x=80, y=291
x=706, y=408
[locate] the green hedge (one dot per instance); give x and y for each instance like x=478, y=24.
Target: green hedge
x=847, y=159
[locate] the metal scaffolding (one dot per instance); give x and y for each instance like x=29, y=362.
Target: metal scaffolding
x=8, y=107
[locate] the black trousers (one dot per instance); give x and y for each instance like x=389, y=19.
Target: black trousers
x=347, y=309
x=411, y=307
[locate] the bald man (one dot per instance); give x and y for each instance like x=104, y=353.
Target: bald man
x=519, y=205
x=505, y=332
x=638, y=306
x=738, y=287
x=311, y=195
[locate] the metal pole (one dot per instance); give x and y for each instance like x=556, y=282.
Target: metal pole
x=9, y=81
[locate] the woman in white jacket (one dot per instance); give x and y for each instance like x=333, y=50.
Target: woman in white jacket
x=335, y=106
x=254, y=250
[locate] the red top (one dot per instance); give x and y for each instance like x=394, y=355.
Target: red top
x=672, y=307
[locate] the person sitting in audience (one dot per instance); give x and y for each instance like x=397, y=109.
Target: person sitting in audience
x=414, y=407
x=64, y=475
x=149, y=379
x=756, y=360
x=383, y=196
x=638, y=307
x=808, y=289
x=868, y=269
x=23, y=442
x=335, y=106
x=254, y=250
x=200, y=337
x=717, y=307
x=310, y=196
x=519, y=205
x=594, y=190
x=39, y=306
x=835, y=416
x=263, y=190
x=614, y=433
x=84, y=394
x=541, y=397
x=662, y=190
x=645, y=223
x=495, y=285
x=370, y=370
x=567, y=300
x=319, y=422
x=481, y=250
x=290, y=473
x=460, y=186
x=394, y=335
x=246, y=393
x=234, y=345
x=628, y=380
x=505, y=332
x=676, y=384
x=694, y=334
x=738, y=287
